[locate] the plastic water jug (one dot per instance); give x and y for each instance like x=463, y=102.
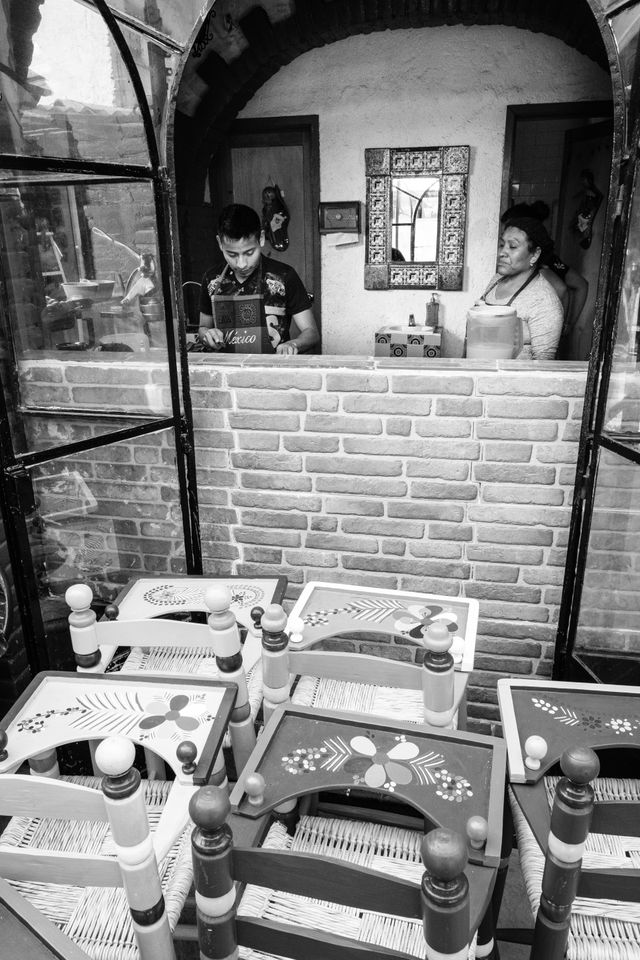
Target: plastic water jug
x=493, y=332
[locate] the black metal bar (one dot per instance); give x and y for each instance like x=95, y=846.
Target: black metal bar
x=141, y=27
x=13, y=515
x=621, y=447
x=83, y=168
x=92, y=443
x=587, y=459
x=181, y=401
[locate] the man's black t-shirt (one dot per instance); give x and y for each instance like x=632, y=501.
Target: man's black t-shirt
x=279, y=285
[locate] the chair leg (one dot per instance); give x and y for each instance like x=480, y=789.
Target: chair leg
x=570, y=823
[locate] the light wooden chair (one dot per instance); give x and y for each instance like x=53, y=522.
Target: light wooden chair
x=175, y=647
x=85, y=858
x=433, y=693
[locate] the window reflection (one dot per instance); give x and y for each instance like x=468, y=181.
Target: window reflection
x=415, y=208
x=81, y=282
x=65, y=89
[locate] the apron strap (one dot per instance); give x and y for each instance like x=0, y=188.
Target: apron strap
x=518, y=291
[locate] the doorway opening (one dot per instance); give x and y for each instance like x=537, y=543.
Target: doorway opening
x=552, y=152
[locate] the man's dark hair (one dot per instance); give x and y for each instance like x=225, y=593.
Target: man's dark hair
x=238, y=221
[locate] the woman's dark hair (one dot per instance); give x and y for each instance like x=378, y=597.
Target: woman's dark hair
x=536, y=234
x=539, y=210
x=238, y=221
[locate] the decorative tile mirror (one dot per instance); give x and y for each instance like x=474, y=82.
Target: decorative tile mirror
x=416, y=215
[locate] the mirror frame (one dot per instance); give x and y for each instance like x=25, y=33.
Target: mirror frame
x=382, y=164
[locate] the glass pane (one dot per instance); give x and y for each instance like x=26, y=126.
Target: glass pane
x=174, y=19
x=609, y=619
x=82, y=320
x=625, y=26
x=623, y=400
x=65, y=90
x=103, y=515
x=156, y=66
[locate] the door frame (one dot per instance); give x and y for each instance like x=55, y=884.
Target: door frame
x=303, y=130
x=582, y=109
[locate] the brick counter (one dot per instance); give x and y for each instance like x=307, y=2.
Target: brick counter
x=452, y=477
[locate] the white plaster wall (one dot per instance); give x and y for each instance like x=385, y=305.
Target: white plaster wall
x=422, y=87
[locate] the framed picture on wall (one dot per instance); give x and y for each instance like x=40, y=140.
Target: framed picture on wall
x=338, y=217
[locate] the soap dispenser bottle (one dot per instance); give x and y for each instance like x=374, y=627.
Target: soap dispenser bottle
x=412, y=320
x=433, y=308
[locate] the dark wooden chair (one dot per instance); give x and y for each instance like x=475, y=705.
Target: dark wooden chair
x=400, y=780
x=578, y=835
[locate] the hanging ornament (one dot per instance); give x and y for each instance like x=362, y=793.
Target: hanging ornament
x=275, y=217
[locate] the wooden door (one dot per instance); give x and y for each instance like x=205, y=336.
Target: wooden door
x=282, y=150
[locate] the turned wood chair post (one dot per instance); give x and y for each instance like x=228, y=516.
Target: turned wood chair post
x=82, y=627
x=445, y=895
x=570, y=822
x=125, y=806
x=225, y=640
x=275, y=659
x=438, y=676
x=212, y=851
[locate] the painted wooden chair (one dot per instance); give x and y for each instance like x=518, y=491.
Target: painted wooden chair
x=305, y=902
x=432, y=693
x=579, y=835
x=85, y=858
x=174, y=647
x=406, y=775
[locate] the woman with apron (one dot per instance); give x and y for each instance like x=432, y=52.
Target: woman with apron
x=518, y=281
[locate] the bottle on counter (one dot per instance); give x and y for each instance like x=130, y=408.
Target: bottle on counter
x=433, y=308
x=412, y=320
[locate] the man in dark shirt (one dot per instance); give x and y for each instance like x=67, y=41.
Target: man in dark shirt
x=247, y=304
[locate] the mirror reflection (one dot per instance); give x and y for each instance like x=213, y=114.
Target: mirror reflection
x=415, y=205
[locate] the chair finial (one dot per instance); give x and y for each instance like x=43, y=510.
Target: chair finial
x=79, y=596
x=254, y=787
x=580, y=764
x=112, y=611
x=444, y=853
x=274, y=619
x=477, y=832
x=209, y=808
x=186, y=752
x=115, y=755
x=218, y=598
x=535, y=749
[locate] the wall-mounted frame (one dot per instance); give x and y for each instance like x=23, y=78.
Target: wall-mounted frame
x=396, y=257
x=339, y=217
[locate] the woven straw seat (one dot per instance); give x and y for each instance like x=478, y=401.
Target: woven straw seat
x=600, y=929
x=98, y=919
x=391, y=850
x=394, y=703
